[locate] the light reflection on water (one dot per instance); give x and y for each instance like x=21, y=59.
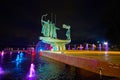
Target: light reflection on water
x=113, y=58
x=46, y=69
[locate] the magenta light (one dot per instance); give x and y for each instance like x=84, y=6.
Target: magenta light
x=106, y=45
x=81, y=47
x=18, y=51
x=32, y=70
x=10, y=52
x=1, y=71
x=2, y=53
x=86, y=47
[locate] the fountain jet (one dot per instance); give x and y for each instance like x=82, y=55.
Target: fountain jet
x=1, y=71
x=32, y=70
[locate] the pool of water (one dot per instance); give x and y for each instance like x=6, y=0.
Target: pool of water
x=45, y=69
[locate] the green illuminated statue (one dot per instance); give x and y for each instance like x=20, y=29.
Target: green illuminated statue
x=54, y=31
x=68, y=31
x=44, y=26
x=48, y=28
x=49, y=31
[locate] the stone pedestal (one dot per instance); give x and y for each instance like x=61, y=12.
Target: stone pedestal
x=56, y=44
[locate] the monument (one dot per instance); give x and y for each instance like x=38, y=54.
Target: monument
x=49, y=31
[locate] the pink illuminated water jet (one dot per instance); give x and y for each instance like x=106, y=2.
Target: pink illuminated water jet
x=32, y=70
x=86, y=47
x=81, y=47
x=2, y=53
x=2, y=56
x=10, y=52
x=106, y=46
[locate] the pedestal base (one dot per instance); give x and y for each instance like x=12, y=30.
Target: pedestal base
x=56, y=44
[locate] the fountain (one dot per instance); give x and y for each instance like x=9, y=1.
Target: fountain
x=17, y=58
x=74, y=47
x=18, y=51
x=81, y=47
x=106, y=46
x=33, y=51
x=86, y=47
x=93, y=46
x=32, y=70
x=1, y=71
x=2, y=53
x=99, y=47
x=2, y=56
x=10, y=54
x=21, y=55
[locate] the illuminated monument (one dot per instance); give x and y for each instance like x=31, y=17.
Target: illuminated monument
x=49, y=31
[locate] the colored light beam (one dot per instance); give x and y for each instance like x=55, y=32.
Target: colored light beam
x=32, y=70
x=1, y=71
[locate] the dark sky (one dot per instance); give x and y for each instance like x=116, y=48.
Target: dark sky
x=89, y=19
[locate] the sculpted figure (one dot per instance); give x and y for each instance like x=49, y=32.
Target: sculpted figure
x=48, y=28
x=54, y=31
x=68, y=31
x=45, y=26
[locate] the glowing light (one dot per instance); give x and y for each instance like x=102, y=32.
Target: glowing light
x=106, y=46
x=17, y=58
x=32, y=70
x=52, y=49
x=2, y=53
x=17, y=64
x=21, y=55
x=40, y=49
x=18, y=51
x=10, y=52
x=106, y=55
x=93, y=46
x=81, y=47
x=1, y=71
x=86, y=47
x=99, y=47
x=105, y=43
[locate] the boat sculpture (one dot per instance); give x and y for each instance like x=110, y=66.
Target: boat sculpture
x=49, y=31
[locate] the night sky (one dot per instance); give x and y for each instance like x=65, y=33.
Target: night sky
x=90, y=20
